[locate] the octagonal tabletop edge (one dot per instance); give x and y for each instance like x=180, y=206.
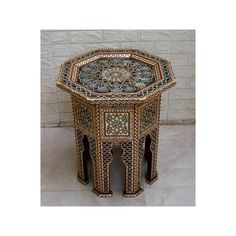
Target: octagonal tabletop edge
x=116, y=76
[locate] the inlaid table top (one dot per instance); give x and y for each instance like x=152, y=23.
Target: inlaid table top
x=111, y=75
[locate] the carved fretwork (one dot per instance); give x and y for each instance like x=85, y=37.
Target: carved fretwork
x=106, y=161
x=127, y=160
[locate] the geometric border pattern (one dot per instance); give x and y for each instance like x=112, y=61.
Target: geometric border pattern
x=148, y=115
x=85, y=117
x=65, y=82
x=116, y=124
x=103, y=114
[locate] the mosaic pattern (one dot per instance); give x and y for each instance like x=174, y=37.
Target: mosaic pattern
x=116, y=124
x=106, y=161
x=116, y=75
x=85, y=117
x=149, y=115
x=92, y=151
x=127, y=149
x=116, y=93
x=141, y=147
x=154, y=148
x=92, y=143
x=80, y=149
x=111, y=74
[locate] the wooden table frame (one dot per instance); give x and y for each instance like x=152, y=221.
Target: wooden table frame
x=102, y=122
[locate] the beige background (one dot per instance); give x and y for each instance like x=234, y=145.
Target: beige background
x=178, y=46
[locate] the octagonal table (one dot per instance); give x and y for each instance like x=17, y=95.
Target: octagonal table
x=116, y=97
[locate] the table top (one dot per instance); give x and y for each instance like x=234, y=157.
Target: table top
x=116, y=75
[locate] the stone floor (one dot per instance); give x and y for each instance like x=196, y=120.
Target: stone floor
x=176, y=168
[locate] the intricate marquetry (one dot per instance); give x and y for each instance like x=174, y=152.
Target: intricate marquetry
x=116, y=124
x=85, y=116
x=116, y=97
x=149, y=115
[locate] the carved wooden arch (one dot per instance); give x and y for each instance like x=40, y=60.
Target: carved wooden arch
x=124, y=152
x=150, y=172
x=126, y=159
x=91, y=153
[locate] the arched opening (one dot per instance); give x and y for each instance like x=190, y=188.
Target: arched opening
x=86, y=160
x=117, y=174
x=148, y=156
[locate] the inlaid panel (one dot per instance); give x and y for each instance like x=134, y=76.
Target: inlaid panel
x=149, y=115
x=116, y=75
x=85, y=117
x=106, y=75
x=116, y=123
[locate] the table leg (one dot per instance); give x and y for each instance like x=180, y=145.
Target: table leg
x=81, y=154
x=103, y=170
x=151, y=156
x=132, y=180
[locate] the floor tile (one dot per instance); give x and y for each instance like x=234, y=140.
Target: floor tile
x=87, y=198
x=175, y=177
x=179, y=196
x=172, y=196
x=154, y=196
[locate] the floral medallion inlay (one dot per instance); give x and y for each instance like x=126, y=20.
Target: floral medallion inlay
x=116, y=124
x=116, y=75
